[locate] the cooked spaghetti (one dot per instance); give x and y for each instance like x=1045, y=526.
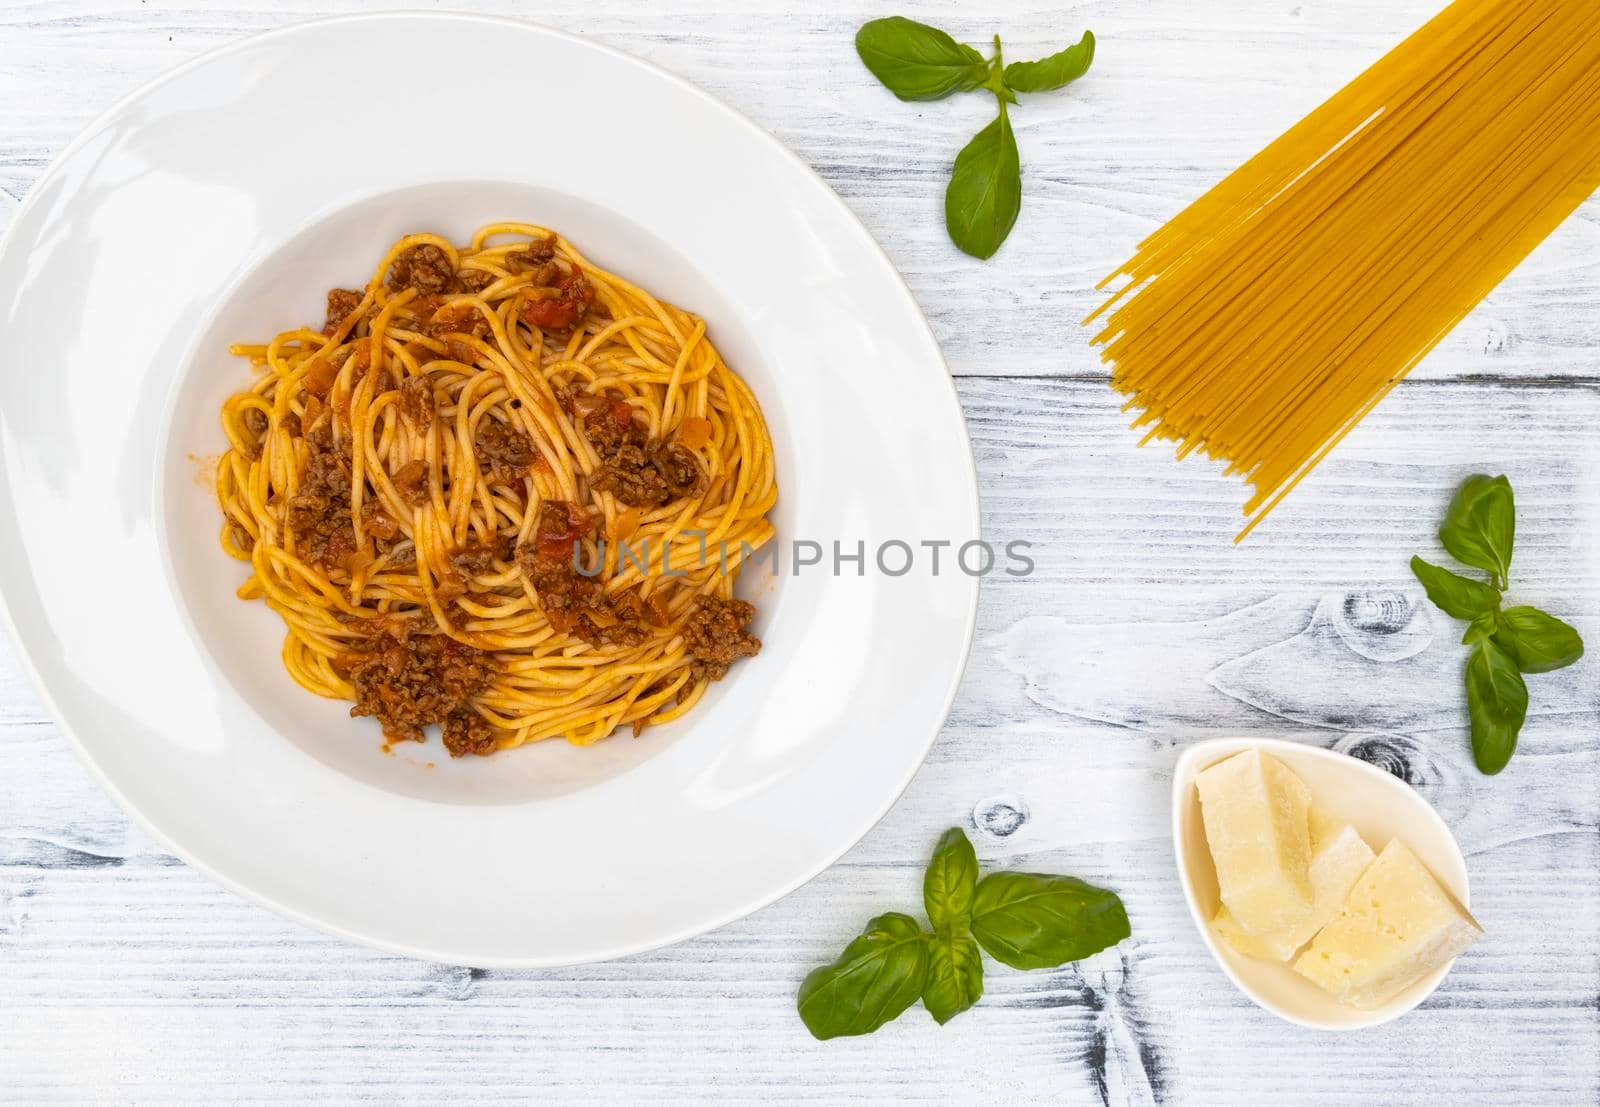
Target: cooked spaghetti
x=1264, y=321
x=502, y=491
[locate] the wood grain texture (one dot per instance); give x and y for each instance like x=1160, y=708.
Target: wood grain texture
x=125, y=976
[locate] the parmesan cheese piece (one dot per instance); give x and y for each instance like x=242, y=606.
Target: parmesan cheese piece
x=1256, y=818
x=1338, y=858
x=1396, y=926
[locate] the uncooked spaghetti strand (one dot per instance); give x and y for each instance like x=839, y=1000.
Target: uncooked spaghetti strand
x=1261, y=323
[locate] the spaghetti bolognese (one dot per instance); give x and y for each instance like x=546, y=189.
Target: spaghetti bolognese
x=436, y=490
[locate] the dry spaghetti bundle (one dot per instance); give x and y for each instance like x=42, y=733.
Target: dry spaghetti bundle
x=1264, y=321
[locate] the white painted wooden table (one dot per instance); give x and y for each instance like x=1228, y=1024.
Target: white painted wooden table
x=125, y=976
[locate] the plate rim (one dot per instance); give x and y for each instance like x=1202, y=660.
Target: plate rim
x=238, y=886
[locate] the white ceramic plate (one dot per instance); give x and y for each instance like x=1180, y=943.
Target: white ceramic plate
x=1378, y=805
x=217, y=205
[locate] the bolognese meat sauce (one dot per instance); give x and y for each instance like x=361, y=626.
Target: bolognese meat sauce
x=558, y=304
x=573, y=603
x=410, y=681
x=319, y=512
x=635, y=469
x=476, y=557
x=503, y=451
x=341, y=302
x=416, y=402
x=426, y=268
x=716, y=637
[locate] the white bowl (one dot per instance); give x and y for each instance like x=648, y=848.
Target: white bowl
x=1377, y=804
x=217, y=205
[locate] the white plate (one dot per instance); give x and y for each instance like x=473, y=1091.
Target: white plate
x=216, y=205
x=1377, y=804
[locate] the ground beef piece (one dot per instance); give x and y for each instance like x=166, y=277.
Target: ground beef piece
x=680, y=468
x=320, y=437
x=474, y=280
x=319, y=513
x=472, y=560
x=476, y=558
x=538, y=253
x=504, y=452
x=416, y=402
x=416, y=680
x=564, y=593
x=622, y=634
x=411, y=481
x=630, y=627
x=291, y=423
x=636, y=470
x=537, y=260
x=456, y=319
x=544, y=276
x=341, y=302
x=560, y=307
x=466, y=731
x=649, y=475
x=425, y=268
x=401, y=558
x=716, y=636
x=573, y=603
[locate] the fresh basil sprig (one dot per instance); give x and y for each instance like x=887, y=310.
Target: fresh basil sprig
x=1479, y=530
x=918, y=62
x=1021, y=919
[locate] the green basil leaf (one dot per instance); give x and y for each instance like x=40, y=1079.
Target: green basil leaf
x=1482, y=626
x=1058, y=69
x=1537, y=642
x=1457, y=596
x=1481, y=526
x=985, y=190
x=1029, y=921
x=875, y=979
x=955, y=977
x=918, y=62
x=1497, y=700
x=949, y=884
